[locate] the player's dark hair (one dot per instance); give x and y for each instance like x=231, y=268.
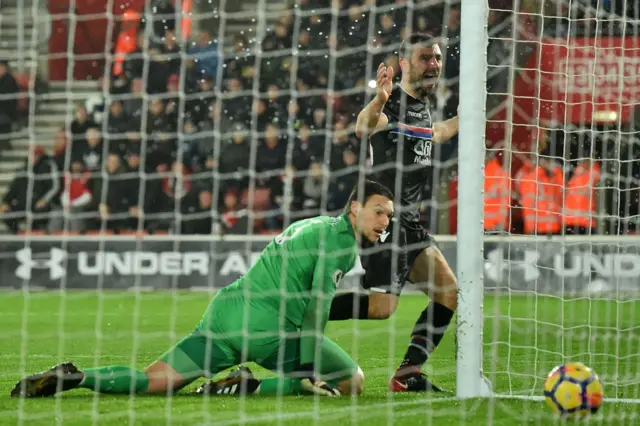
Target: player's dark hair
x=415, y=40
x=362, y=193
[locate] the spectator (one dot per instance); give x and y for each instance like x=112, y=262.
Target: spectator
x=165, y=61
x=172, y=104
x=345, y=180
x=452, y=58
x=278, y=38
x=76, y=197
x=163, y=18
x=118, y=125
x=8, y=104
x=581, y=197
x=343, y=140
x=317, y=29
x=184, y=198
x=161, y=142
x=61, y=146
x=539, y=144
x=148, y=200
x=81, y=123
x=497, y=196
x=271, y=160
x=277, y=110
x=314, y=186
x=352, y=28
x=234, y=160
x=95, y=106
x=319, y=120
x=199, y=107
x=303, y=155
x=89, y=151
x=311, y=146
x=134, y=105
x=133, y=65
x=235, y=218
x=235, y=104
x=204, y=51
x=34, y=197
x=116, y=195
x=241, y=63
x=198, y=147
x=261, y=115
x=224, y=122
x=125, y=44
x=540, y=191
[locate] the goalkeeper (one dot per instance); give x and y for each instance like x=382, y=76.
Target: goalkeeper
x=275, y=316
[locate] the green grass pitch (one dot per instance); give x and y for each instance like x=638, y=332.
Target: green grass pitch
x=525, y=336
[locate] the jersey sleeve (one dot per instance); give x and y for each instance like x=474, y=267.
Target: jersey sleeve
x=332, y=263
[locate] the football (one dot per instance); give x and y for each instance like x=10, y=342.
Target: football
x=573, y=390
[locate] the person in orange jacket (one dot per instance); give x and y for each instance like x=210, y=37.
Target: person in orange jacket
x=126, y=42
x=539, y=144
x=497, y=195
x=580, y=198
x=540, y=188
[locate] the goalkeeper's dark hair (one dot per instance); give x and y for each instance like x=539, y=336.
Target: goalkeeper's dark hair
x=415, y=40
x=365, y=190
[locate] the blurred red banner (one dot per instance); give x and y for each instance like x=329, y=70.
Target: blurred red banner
x=589, y=79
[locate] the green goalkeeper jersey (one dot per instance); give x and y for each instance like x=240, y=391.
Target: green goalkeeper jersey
x=292, y=284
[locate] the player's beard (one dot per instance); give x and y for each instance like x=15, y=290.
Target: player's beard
x=417, y=82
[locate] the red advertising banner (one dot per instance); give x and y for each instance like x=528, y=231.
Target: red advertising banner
x=586, y=80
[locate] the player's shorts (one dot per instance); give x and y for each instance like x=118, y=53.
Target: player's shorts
x=219, y=343
x=198, y=355
x=384, y=275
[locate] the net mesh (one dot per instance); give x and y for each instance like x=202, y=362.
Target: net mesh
x=167, y=142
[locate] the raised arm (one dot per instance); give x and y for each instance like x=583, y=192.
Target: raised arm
x=371, y=118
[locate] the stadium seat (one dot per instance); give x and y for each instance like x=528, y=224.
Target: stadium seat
x=136, y=233
x=32, y=232
x=65, y=233
x=99, y=232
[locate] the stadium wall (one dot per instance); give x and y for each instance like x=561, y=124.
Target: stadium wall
x=557, y=265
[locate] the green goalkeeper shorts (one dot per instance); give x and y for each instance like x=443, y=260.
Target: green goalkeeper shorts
x=220, y=342
x=200, y=354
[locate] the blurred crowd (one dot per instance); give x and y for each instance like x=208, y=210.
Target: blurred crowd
x=191, y=136
x=196, y=137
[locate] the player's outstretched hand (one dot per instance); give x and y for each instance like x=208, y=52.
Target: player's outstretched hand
x=384, y=82
x=319, y=387
x=309, y=383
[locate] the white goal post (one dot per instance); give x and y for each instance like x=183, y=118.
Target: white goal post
x=472, y=110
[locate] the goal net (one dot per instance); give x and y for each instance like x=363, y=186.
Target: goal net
x=152, y=149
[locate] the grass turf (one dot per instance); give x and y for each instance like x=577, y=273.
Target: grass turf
x=525, y=336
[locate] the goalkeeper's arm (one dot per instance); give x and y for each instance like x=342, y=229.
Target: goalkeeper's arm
x=316, y=316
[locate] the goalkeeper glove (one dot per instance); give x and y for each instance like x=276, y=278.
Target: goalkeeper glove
x=313, y=386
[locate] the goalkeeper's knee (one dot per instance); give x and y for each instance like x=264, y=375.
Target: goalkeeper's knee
x=353, y=385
